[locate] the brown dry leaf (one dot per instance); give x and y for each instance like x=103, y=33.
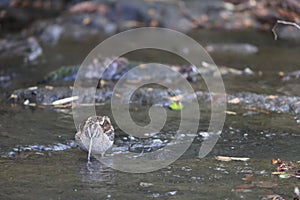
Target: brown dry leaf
x=257, y=110
x=151, y=12
x=175, y=98
x=223, y=158
x=277, y=161
x=277, y=173
x=234, y=101
x=13, y=96
x=63, y=106
x=248, y=177
x=118, y=94
x=243, y=186
x=86, y=21
x=83, y=7
x=272, y=97
x=13, y=105
x=49, y=87
x=264, y=184
x=281, y=73
x=153, y=23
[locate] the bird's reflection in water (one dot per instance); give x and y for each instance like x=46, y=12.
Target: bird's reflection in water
x=95, y=171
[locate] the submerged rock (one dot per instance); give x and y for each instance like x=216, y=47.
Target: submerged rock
x=109, y=69
x=236, y=48
x=295, y=75
x=6, y=78
x=40, y=95
x=28, y=48
x=279, y=104
x=47, y=95
x=51, y=34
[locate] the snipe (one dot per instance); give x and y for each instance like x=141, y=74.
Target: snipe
x=95, y=135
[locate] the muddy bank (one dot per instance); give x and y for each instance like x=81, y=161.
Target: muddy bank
x=92, y=17
x=81, y=19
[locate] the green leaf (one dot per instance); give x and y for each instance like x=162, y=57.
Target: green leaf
x=176, y=105
x=284, y=175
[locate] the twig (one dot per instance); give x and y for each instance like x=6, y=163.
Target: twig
x=283, y=22
x=187, y=13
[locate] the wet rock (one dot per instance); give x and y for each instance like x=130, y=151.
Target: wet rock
x=279, y=104
x=62, y=75
x=287, y=32
x=150, y=96
x=234, y=48
x=116, y=69
x=28, y=48
x=295, y=75
x=109, y=69
x=40, y=95
x=6, y=78
x=48, y=95
x=51, y=34
x=40, y=148
x=94, y=17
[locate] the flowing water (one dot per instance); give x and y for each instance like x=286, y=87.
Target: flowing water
x=63, y=172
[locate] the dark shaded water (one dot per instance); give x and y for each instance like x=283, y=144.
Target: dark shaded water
x=66, y=175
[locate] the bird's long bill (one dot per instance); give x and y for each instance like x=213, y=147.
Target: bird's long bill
x=90, y=149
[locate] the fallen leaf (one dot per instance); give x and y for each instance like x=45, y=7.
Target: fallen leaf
x=13, y=96
x=285, y=175
x=223, y=158
x=234, y=101
x=176, y=106
x=226, y=158
x=63, y=106
x=277, y=173
x=243, y=186
x=248, y=177
x=264, y=184
x=49, y=87
x=86, y=21
x=281, y=73
x=175, y=98
x=257, y=110
x=271, y=97
x=230, y=112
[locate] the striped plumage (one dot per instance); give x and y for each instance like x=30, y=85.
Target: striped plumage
x=95, y=135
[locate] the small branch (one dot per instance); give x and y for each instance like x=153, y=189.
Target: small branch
x=187, y=13
x=283, y=22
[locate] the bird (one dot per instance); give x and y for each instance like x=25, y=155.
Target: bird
x=95, y=135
